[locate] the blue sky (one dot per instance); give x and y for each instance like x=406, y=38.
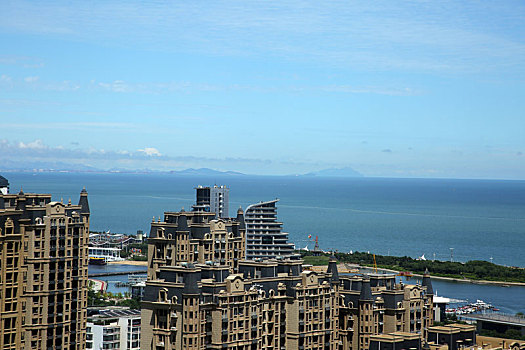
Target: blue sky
x=399, y=89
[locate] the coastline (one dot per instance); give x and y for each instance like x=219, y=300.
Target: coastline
x=129, y=262
x=347, y=267
x=496, y=283
x=350, y=268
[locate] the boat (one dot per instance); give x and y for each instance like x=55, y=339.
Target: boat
x=96, y=260
x=478, y=306
x=108, y=254
x=404, y=273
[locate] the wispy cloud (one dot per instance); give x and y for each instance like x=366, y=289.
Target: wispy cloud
x=32, y=79
x=371, y=35
x=38, y=152
x=23, y=61
x=168, y=87
x=71, y=125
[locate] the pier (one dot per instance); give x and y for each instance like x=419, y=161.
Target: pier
x=118, y=273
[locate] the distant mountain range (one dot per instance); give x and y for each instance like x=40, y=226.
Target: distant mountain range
x=334, y=172
x=204, y=172
x=10, y=166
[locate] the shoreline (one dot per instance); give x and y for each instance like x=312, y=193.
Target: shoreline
x=496, y=283
x=128, y=262
x=343, y=267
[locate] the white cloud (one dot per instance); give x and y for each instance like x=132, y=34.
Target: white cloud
x=37, y=144
x=117, y=86
x=32, y=79
x=150, y=151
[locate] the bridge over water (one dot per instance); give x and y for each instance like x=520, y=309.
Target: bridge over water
x=498, y=322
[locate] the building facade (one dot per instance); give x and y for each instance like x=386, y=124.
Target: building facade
x=264, y=236
x=454, y=336
x=4, y=185
x=200, y=301
x=113, y=328
x=214, y=199
x=43, y=272
x=195, y=237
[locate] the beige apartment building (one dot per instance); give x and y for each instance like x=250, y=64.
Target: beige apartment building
x=195, y=237
x=43, y=272
x=199, y=297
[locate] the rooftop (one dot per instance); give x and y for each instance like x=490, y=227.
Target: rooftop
x=3, y=181
x=112, y=312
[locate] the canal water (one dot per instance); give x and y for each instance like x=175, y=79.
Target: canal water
x=508, y=299
x=113, y=281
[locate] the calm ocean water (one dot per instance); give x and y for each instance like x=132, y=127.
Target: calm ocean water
x=480, y=219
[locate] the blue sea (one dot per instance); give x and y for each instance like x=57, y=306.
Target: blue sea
x=480, y=219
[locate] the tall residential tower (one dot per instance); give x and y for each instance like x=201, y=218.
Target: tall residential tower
x=43, y=272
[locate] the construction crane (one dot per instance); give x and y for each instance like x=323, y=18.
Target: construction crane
x=375, y=264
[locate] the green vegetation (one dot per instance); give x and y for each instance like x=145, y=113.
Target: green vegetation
x=110, y=299
x=139, y=258
x=316, y=260
x=125, y=253
x=449, y=319
x=475, y=270
x=509, y=334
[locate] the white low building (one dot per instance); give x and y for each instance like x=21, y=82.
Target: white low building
x=113, y=328
x=109, y=254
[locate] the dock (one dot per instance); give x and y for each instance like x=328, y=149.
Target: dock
x=118, y=273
